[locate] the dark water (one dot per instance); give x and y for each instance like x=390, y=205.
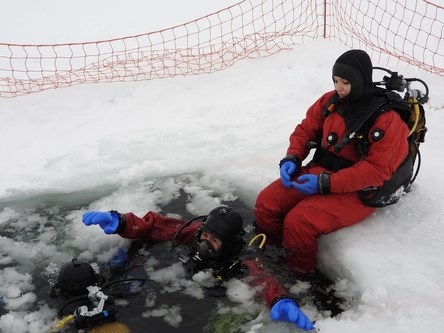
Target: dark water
x=196, y=315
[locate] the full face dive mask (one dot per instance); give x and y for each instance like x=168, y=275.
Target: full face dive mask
x=203, y=252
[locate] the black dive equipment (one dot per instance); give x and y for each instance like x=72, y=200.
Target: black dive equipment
x=85, y=302
x=400, y=83
x=174, y=243
x=223, y=223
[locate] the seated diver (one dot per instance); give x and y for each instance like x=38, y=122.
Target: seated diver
x=215, y=242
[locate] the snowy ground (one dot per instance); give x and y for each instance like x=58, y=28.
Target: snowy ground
x=132, y=146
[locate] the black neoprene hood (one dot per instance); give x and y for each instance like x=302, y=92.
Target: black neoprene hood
x=356, y=67
x=224, y=223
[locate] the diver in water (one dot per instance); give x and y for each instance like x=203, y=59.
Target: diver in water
x=86, y=299
x=215, y=242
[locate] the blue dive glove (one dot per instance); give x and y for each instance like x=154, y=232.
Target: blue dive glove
x=287, y=169
x=108, y=221
x=308, y=184
x=287, y=310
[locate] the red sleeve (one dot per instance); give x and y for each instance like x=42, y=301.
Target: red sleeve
x=270, y=287
x=383, y=158
x=310, y=129
x=153, y=227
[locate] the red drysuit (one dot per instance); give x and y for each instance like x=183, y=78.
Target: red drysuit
x=153, y=227
x=296, y=221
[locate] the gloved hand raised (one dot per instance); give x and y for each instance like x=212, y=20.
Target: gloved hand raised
x=287, y=169
x=307, y=184
x=108, y=221
x=287, y=310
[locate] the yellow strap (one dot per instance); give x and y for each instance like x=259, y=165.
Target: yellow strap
x=261, y=245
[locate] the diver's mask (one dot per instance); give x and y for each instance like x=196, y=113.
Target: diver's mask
x=204, y=253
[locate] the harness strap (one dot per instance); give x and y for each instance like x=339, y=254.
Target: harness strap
x=329, y=161
x=330, y=106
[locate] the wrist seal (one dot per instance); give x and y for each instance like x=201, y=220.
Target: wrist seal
x=324, y=183
x=122, y=221
x=292, y=158
x=280, y=298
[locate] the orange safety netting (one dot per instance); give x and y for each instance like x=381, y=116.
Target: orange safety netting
x=248, y=29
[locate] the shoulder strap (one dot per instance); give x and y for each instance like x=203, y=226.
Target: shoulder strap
x=397, y=103
x=330, y=106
